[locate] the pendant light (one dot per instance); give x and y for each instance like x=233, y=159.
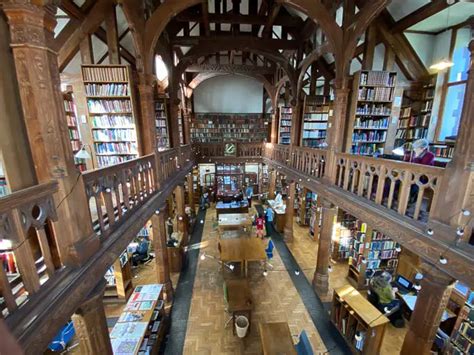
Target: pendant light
x=444, y=63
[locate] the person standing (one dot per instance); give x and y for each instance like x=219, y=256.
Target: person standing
x=269, y=220
x=169, y=227
x=260, y=223
x=249, y=194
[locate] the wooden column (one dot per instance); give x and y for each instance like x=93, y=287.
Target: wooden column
x=389, y=58
x=271, y=184
x=9, y=344
x=90, y=324
x=369, y=47
x=275, y=123
x=336, y=126
x=86, y=50
x=36, y=64
x=173, y=123
x=112, y=36
x=321, y=276
x=191, y=191
x=158, y=222
x=181, y=215
x=290, y=212
x=147, y=126
x=433, y=297
x=460, y=171
x=296, y=118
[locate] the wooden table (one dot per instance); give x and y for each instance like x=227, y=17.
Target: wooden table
x=239, y=299
x=176, y=254
x=242, y=250
x=234, y=220
x=225, y=208
x=276, y=339
x=279, y=217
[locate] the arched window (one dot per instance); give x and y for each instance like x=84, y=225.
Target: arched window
x=160, y=68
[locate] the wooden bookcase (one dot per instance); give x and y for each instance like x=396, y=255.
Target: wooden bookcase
x=3, y=180
x=443, y=151
x=375, y=107
x=371, y=251
x=181, y=126
x=284, y=127
x=143, y=324
x=305, y=198
x=462, y=337
x=343, y=235
x=229, y=179
x=415, y=118
x=119, y=280
x=317, y=109
x=220, y=127
x=111, y=109
x=161, y=122
x=73, y=128
x=360, y=323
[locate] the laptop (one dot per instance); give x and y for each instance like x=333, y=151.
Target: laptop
x=404, y=285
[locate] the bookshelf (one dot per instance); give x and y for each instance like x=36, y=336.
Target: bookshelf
x=221, y=127
x=3, y=180
x=161, y=121
x=119, y=280
x=343, y=235
x=316, y=218
x=415, y=118
x=372, y=109
x=284, y=131
x=462, y=340
x=305, y=198
x=142, y=326
x=360, y=323
x=371, y=251
x=73, y=128
x=317, y=110
x=229, y=179
x=443, y=151
x=111, y=111
x=181, y=126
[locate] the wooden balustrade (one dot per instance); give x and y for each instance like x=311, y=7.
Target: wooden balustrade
x=171, y=160
x=410, y=189
x=26, y=223
x=206, y=151
x=249, y=150
x=115, y=190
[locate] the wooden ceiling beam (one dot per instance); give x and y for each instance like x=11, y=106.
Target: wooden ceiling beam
x=270, y=43
x=205, y=17
x=221, y=68
x=420, y=14
x=273, y=13
x=287, y=21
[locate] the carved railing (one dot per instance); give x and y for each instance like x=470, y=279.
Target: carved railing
x=116, y=190
x=28, y=244
x=249, y=150
x=410, y=189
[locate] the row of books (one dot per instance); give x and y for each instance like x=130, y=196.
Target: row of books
x=405, y=112
x=109, y=106
x=428, y=106
x=314, y=134
x=73, y=134
x=159, y=106
x=371, y=123
x=412, y=133
x=68, y=106
x=285, y=123
x=286, y=129
x=415, y=121
x=161, y=122
x=71, y=120
x=377, y=78
x=314, y=125
x=317, y=109
x=376, y=136
x=366, y=149
x=382, y=254
x=106, y=121
x=383, y=245
x=106, y=74
x=373, y=109
x=106, y=89
x=127, y=148
x=442, y=151
x=375, y=94
x=112, y=160
x=316, y=116
x=378, y=264
x=114, y=135
x=8, y=262
x=287, y=110
x=212, y=126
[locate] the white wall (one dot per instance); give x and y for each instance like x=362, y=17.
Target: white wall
x=423, y=44
x=229, y=94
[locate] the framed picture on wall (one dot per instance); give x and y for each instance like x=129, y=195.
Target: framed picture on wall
x=230, y=149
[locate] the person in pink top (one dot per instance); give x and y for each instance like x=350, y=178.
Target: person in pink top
x=421, y=154
x=260, y=223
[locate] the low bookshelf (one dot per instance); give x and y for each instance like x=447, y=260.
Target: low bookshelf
x=372, y=110
x=443, y=151
x=119, y=280
x=111, y=110
x=161, y=122
x=284, y=127
x=317, y=109
x=360, y=323
x=371, y=251
x=73, y=128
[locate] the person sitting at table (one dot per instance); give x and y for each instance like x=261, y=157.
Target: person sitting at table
x=269, y=220
x=249, y=194
x=421, y=154
x=141, y=253
x=387, y=301
x=260, y=223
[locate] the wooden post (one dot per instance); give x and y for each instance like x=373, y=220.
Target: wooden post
x=272, y=184
x=321, y=276
x=296, y=118
x=112, y=36
x=86, y=50
x=181, y=215
x=389, y=58
x=432, y=299
x=191, y=192
x=275, y=122
x=290, y=212
x=147, y=126
x=90, y=324
x=173, y=123
x=369, y=47
x=36, y=64
x=161, y=253
x=460, y=171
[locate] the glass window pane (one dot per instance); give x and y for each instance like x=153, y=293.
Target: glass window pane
x=452, y=111
x=458, y=71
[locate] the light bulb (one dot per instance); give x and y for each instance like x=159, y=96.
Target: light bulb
x=443, y=260
x=460, y=231
x=417, y=287
x=265, y=272
x=231, y=267
x=430, y=231
x=398, y=249
x=108, y=190
x=157, y=212
x=180, y=218
x=203, y=256
x=329, y=268
x=297, y=272
x=466, y=212
x=202, y=222
x=364, y=261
